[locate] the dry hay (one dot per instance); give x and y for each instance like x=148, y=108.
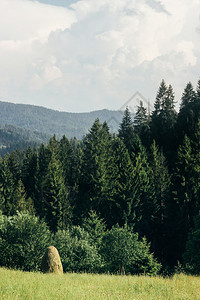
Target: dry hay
x=51, y=262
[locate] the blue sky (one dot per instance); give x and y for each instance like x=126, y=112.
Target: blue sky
x=90, y=54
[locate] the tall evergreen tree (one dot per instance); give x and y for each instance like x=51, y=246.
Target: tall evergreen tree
x=53, y=144
x=142, y=124
x=143, y=195
x=188, y=96
x=22, y=202
x=14, y=165
x=126, y=131
x=160, y=99
x=160, y=180
x=67, y=159
x=92, y=169
x=7, y=188
x=30, y=173
x=117, y=196
x=56, y=203
x=188, y=114
x=44, y=158
x=164, y=119
x=69, y=162
x=186, y=190
x=198, y=92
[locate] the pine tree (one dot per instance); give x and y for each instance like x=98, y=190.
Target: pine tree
x=164, y=119
x=198, y=92
x=7, y=188
x=143, y=204
x=69, y=163
x=53, y=144
x=66, y=157
x=160, y=180
x=186, y=190
x=189, y=113
x=160, y=99
x=126, y=131
x=188, y=96
x=96, y=228
x=156, y=118
x=142, y=124
x=14, y=165
x=92, y=169
x=117, y=196
x=22, y=202
x=44, y=158
x=56, y=203
x=30, y=173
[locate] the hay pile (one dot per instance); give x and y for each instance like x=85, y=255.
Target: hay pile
x=51, y=262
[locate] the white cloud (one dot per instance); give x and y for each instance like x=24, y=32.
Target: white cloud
x=25, y=20
x=96, y=54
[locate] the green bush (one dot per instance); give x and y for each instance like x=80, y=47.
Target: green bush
x=123, y=253
x=23, y=239
x=76, y=252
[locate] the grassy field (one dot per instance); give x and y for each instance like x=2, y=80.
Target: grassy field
x=24, y=285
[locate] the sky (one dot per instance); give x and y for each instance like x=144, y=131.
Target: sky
x=85, y=55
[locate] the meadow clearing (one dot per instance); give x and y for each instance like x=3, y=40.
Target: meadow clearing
x=25, y=285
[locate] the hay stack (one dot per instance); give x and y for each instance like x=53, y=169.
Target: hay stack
x=51, y=262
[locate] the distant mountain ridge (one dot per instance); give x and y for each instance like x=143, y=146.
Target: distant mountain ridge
x=48, y=121
x=13, y=137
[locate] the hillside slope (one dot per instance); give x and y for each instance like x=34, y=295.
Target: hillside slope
x=13, y=137
x=36, y=118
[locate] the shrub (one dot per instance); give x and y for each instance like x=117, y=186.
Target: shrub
x=124, y=253
x=76, y=252
x=23, y=240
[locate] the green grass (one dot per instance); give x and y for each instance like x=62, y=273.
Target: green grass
x=24, y=285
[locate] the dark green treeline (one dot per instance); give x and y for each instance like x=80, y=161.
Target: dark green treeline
x=146, y=177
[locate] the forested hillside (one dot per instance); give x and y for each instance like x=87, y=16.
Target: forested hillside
x=12, y=138
x=36, y=118
x=144, y=180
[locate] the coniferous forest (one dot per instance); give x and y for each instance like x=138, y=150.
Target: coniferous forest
x=127, y=202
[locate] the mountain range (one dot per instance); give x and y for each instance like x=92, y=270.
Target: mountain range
x=37, y=124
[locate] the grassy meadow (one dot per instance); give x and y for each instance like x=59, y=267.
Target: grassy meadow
x=24, y=285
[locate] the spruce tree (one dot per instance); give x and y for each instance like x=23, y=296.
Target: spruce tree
x=189, y=114
x=143, y=204
x=188, y=96
x=126, y=131
x=15, y=165
x=160, y=99
x=186, y=190
x=44, y=158
x=117, y=196
x=30, y=173
x=142, y=124
x=7, y=188
x=92, y=168
x=22, y=202
x=160, y=180
x=163, y=120
x=56, y=203
x=67, y=158
x=96, y=228
x=69, y=162
x=198, y=92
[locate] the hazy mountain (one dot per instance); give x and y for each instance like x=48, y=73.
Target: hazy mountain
x=48, y=121
x=13, y=137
